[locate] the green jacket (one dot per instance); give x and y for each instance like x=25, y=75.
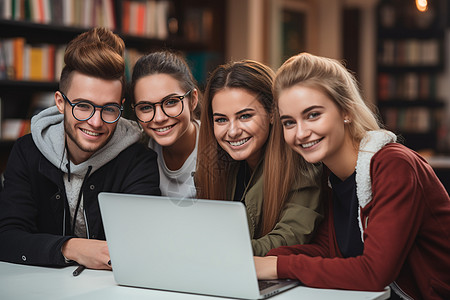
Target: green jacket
x=298, y=220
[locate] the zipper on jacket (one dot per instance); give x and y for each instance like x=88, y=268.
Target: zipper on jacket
x=64, y=221
x=86, y=222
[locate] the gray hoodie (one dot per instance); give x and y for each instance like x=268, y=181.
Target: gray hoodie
x=47, y=130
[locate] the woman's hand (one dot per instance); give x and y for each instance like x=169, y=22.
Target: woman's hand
x=266, y=267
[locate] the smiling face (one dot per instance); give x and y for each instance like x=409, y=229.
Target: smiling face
x=84, y=138
x=241, y=124
x=314, y=126
x=165, y=130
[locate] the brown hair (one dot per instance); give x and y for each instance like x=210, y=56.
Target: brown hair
x=332, y=78
x=214, y=163
x=98, y=53
x=170, y=63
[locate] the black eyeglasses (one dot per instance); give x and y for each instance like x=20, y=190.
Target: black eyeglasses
x=84, y=110
x=172, y=106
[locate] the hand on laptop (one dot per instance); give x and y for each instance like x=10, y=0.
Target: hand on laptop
x=92, y=254
x=266, y=267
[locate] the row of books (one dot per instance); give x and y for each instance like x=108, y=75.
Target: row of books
x=408, y=86
x=13, y=128
x=20, y=60
x=412, y=119
x=154, y=19
x=76, y=13
x=406, y=15
x=410, y=52
x=35, y=62
x=146, y=18
x=198, y=24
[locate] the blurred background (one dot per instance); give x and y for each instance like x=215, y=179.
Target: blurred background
x=399, y=51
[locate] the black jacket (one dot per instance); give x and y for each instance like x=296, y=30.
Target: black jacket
x=34, y=212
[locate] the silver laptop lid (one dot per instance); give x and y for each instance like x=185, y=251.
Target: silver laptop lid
x=189, y=245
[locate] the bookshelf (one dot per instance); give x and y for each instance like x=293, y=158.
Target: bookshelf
x=40, y=29
x=410, y=57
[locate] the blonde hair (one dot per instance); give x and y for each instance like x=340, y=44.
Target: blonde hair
x=332, y=78
x=281, y=164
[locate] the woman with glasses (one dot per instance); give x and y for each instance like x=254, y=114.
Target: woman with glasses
x=165, y=98
x=240, y=159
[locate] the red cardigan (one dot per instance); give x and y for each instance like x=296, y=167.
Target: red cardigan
x=406, y=235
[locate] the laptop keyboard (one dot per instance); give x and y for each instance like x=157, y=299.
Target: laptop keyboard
x=264, y=284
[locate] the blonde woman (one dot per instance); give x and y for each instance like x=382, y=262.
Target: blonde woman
x=388, y=217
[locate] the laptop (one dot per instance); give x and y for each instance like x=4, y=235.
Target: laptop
x=184, y=245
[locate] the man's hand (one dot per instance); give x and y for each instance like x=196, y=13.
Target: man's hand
x=266, y=267
x=92, y=254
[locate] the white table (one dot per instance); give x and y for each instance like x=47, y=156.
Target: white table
x=28, y=282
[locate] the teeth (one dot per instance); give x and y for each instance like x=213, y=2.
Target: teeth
x=238, y=143
x=90, y=132
x=307, y=145
x=163, y=129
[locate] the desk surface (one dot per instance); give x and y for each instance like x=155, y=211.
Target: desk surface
x=28, y=282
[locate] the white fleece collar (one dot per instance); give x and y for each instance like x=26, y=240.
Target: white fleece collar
x=370, y=144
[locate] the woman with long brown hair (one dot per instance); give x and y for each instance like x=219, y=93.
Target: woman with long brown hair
x=240, y=159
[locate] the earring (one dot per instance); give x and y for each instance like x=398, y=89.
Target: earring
x=346, y=121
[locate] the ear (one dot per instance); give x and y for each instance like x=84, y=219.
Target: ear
x=346, y=117
x=194, y=100
x=60, y=102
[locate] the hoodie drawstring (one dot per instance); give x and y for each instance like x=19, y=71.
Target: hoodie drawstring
x=68, y=162
x=80, y=195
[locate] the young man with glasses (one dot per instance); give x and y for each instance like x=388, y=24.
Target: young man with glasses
x=49, y=213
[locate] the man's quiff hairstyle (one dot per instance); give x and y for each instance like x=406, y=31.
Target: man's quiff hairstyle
x=98, y=53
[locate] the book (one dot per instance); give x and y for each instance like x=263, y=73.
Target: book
x=141, y=15
x=150, y=21
x=59, y=61
x=12, y=129
x=109, y=15
x=68, y=8
x=6, y=9
x=19, y=53
x=133, y=17
x=56, y=12
x=126, y=16
x=50, y=63
x=162, y=12
x=6, y=59
x=35, y=61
